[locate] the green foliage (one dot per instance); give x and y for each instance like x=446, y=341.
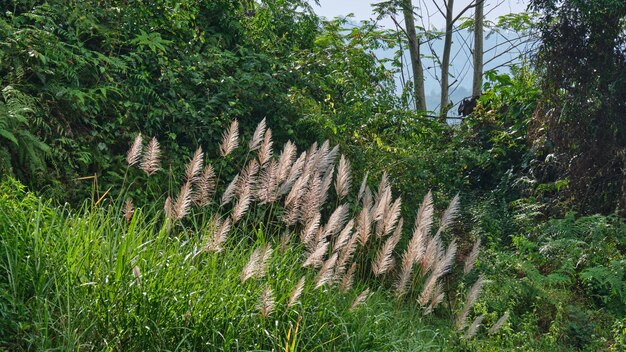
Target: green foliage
x=96, y=73
x=580, y=125
x=25, y=152
x=497, y=131
x=619, y=335
x=80, y=79
x=561, y=279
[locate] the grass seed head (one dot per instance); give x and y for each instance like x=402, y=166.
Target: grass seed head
x=151, y=158
x=230, y=139
x=134, y=153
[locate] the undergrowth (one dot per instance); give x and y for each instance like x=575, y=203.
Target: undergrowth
x=256, y=268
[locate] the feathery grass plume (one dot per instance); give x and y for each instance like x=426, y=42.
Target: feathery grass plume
x=348, y=279
x=449, y=215
x=265, y=153
x=267, y=190
x=204, y=186
x=362, y=187
x=399, y=227
x=294, y=297
x=344, y=177
x=312, y=159
x=471, y=331
x=137, y=275
x=429, y=288
x=432, y=253
x=310, y=199
x=368, y=199
x=243, y=203
x=151, y=158
x=195, y=165
x=244, y=186
x=291, y=215
x=128, y=210
x=382, y=186
x=424, y=218
x=405, y=275
x=315, y=259
x=320, y=156
x=326, y=181
x=257, y=137
x=447, y=260
x=364, y=226
x=470, y=261
x=265, y=261
x=219, y=235
x=230, y=190
x=360, y=299
x=292, y=203
x=286, y=159
x=183, y=202
x=499, y=324
x=336, y=220
x=471, y=299
x=134, y=153
x=230, y=139
x=412, y=254
x=344, y=236
x=295, y=172
x=423, y=222
x=437, y=297
x=327, y=161
x=346, y=255
x=253, y=264
x=247, y=180
x=312, y=156
x=381, y=205
x=167, y=208
x=310, y=228
x=257, y=264
x=312, y=150
x=266, y=302
x=384, y=258
x=326, y=272
x=392, y=214
x=319, y=236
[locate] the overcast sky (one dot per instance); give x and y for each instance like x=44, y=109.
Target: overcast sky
x=362, y=9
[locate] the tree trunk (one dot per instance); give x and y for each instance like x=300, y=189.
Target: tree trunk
x=477, y=83
x=416, y=60
x=445, y=62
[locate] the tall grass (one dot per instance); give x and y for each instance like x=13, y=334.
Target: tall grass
x=255, y=268
x=87, y=280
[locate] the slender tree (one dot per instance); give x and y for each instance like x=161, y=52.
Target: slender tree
x=445, y=61
x=451, y=20
x=416, y=60
x=477, y=82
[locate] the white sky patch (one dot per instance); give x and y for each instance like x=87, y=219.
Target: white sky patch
x=430, y=17
x=362, y=10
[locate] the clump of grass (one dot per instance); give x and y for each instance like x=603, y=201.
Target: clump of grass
x=363, y=235
x=202, y=273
